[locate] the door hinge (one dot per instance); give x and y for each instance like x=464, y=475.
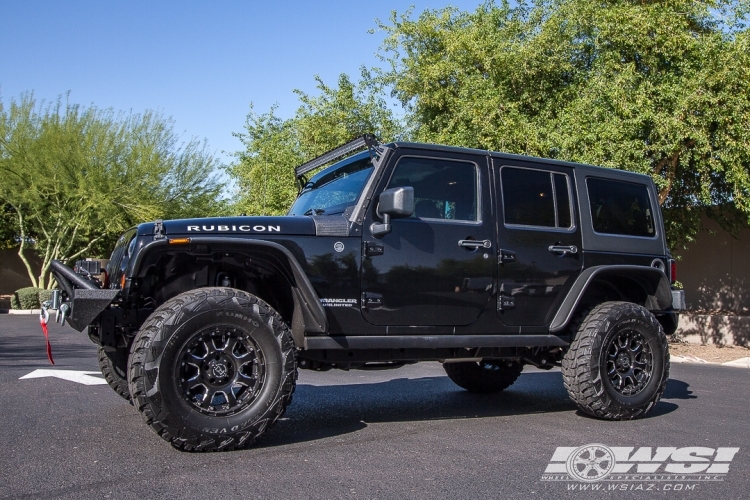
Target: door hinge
x=505, y=302
x=506, y=257
x=373, y=249
x=370, y=299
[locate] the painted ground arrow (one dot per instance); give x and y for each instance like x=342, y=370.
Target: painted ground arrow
x=84, y=378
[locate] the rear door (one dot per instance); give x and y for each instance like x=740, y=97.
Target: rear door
x=539, y=240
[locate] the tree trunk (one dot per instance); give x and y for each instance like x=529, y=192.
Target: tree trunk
x=22, y=247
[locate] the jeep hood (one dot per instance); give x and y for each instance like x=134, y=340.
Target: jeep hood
x=215, y=226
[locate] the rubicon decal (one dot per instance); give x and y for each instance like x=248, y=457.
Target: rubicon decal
x=227, y=228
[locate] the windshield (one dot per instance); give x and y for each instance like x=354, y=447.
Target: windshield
x=335, y=188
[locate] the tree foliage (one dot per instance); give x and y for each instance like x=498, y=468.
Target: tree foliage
x=656, y=87
x=73, y=178
x=274, y=146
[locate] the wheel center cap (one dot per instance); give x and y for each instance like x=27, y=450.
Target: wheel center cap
x=623, y=361
x=218, y=369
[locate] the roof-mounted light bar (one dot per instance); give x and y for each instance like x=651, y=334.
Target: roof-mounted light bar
x=367, y=140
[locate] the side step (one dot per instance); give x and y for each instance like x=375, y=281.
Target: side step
x=431, y=341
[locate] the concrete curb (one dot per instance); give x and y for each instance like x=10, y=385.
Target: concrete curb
x=737, y=363
x=676, y=358
x=21, y=311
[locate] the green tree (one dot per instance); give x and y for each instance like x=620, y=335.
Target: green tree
x=73, y=178
x=264, y=171
x=657, y=87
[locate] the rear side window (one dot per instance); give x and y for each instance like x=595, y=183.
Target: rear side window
x=619, y=207
x=536, y=198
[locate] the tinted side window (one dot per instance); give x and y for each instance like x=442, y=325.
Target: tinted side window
x=619, y=207
x=443, y=189
x=535, y=198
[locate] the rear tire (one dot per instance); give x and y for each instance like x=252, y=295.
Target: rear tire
x=212, y=369
x=486, y=376
x=114, y=367
x=618, y=364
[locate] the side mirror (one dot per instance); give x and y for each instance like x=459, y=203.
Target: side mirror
x=395, y=202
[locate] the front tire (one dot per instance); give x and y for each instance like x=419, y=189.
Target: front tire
x=114, y=367
x=486, y=376
x=212, y=369
x=618, y=364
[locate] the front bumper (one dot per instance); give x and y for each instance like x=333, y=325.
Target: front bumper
x=82, y=300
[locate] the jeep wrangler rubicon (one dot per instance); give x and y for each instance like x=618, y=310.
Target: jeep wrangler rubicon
x=395, y=254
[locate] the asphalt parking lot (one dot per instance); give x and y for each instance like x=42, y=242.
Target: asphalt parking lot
x=406, y=433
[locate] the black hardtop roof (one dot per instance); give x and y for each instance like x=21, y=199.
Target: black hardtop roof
x=509, y=156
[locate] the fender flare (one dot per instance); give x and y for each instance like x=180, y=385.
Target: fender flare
x=653, y=281
x=308, y=315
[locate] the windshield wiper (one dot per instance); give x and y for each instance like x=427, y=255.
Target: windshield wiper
x=315, y=211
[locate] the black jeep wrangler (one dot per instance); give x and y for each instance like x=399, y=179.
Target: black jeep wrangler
x=395, y=254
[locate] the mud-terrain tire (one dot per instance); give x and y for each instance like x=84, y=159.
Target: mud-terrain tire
x=618, y=364
x=114, y=367
x=485, y=376
x=212, y=369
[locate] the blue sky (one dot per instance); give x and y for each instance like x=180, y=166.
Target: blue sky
x=202, y=63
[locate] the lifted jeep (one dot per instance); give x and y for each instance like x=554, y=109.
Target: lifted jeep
x=399, y=253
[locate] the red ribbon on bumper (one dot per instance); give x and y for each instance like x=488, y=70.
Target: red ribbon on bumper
x=46, y=336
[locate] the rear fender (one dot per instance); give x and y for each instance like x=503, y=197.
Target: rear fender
x=651, y=280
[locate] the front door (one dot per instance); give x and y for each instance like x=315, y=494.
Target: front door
x=539, y=240
x=435, y=268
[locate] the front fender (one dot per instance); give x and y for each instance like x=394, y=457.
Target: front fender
x=308, y=316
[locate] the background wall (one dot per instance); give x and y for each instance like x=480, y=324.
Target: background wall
x=715, y=271
x=13, y=273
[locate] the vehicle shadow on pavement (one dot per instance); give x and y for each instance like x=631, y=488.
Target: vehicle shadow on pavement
x=32, y=351
x=677, y=389
x=325, y=411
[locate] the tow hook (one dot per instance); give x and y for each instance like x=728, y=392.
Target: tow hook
x=62, y=313
x=62, y=310
x=53, y=303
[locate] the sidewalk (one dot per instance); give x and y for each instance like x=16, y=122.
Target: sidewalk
x=21, y=311
x=737, y=363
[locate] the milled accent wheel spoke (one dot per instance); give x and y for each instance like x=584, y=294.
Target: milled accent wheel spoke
x=199, y=395
x=231, y=346
x=241, y=375
x=196, y=369
x=196, y=357
x=231, y=399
